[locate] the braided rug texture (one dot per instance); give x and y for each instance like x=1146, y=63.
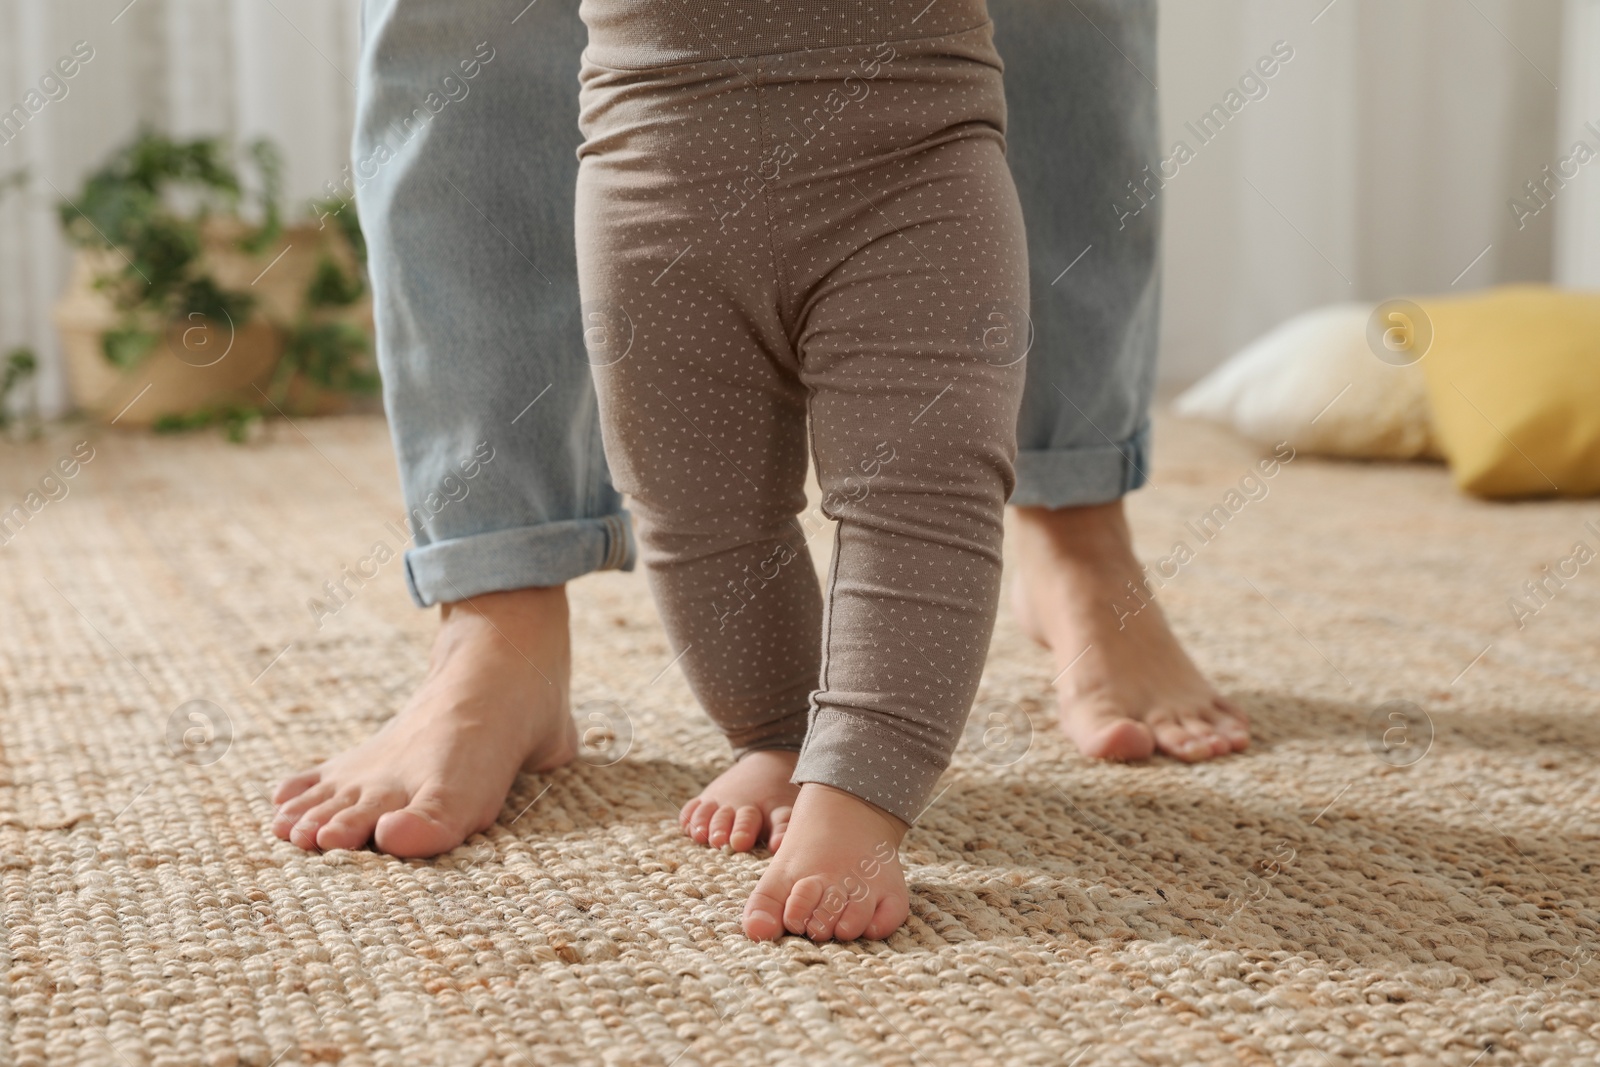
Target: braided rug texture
x=1413, y=883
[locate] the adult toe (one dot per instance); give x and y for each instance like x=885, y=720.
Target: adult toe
x=1105, y=733
x=352, y=827
x=290, y=811
x=1119, y=739
x=1232, y=723
x=424, y=828
x=290, y=788
x=1178, y=741
x=1203, y=727
x=306, y=828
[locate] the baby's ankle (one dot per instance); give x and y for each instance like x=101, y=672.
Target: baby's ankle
x=836, y=807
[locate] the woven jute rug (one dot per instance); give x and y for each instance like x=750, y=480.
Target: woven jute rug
x=1405, y=868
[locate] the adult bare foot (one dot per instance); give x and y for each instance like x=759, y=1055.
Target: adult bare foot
x=838, y=875
x=748, y=801
x=1127, y=687
x=494, y=702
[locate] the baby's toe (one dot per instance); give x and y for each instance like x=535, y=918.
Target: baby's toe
x=721, y=825
x=686, y=814
x=700, y=822
x=746, y=829
x=854, y=919
x=763, y=912
x=777, y=826
x=826, y=914
x=890, y=914
x=800, y=909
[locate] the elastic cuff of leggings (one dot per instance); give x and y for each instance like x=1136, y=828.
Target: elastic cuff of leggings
x=886, y=767
x=525, y=556
x=1076, y=477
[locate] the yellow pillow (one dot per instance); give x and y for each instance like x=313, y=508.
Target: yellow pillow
x=1514, y=388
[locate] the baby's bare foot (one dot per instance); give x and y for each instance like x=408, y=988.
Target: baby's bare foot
x=838, y=875
x=494, y=702
x=749, y=800
x=1127, y=687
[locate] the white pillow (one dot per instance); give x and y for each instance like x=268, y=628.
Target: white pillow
x=1314, y=382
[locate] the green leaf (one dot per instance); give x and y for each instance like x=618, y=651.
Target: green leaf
x=125, y=346
x=148, y=201
x=331, y=355
x=332, y=287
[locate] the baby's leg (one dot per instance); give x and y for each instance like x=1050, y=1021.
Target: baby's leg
x=711, y=450
x=854, y=206
x=703, y=416
x=913, y=348
x=712, y=455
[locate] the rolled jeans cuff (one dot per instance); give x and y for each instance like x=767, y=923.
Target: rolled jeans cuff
x=1076, y=477
x=548, y=554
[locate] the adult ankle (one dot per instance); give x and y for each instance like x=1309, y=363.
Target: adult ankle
x=1086, y=527
x=533, y=604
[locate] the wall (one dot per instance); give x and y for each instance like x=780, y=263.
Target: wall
x=1380, y=161
x=278, y=68
x=1577, y=211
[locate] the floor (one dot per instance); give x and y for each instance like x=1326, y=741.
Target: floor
x=1405, y=868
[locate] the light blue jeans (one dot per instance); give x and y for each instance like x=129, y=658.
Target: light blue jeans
x=465, y=162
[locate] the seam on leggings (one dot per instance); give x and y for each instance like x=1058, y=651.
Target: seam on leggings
x=829, y=598
x=827, y=617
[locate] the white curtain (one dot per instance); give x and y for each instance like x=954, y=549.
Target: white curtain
x=1381, y=159
x=1577, y=245
x=282, y=69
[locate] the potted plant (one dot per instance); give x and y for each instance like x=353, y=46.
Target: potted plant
x=192, y=303
x=19, y=406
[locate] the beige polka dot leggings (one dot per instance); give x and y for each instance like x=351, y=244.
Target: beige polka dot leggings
x=793, y=211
